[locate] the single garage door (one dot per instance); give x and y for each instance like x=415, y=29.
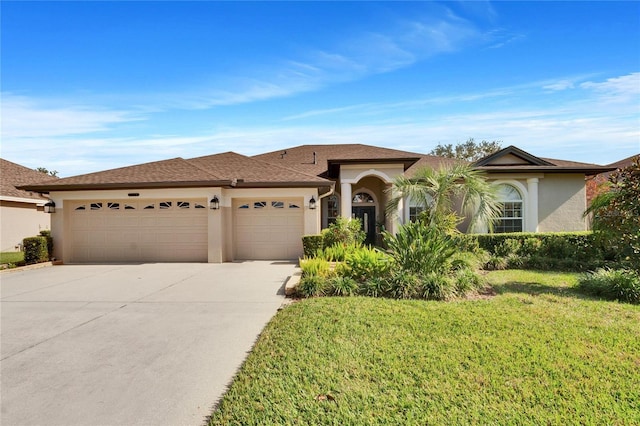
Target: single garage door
x=169, y=230
x=268, y=228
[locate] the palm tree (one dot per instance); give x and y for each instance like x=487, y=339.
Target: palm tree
x=438, y=191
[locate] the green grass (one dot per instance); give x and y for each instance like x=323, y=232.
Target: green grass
x=11, y=257
x=536, y=353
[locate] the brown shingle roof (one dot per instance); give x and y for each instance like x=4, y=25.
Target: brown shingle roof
x=226, y=169
x=176, y=172
x=301, y=157
x=13, y=175
x=247, y=171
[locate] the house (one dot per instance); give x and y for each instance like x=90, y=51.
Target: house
x=228, y=206
x=21, y=212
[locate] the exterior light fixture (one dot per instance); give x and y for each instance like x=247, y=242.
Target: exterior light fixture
x=50, y=207
x=215, y=203
x=312, y=203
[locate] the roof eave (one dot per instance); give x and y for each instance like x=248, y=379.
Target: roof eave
x=585, y=170
x=327, y=184
x=125, y=185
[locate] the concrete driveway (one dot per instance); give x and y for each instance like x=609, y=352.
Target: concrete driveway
x=152, y=344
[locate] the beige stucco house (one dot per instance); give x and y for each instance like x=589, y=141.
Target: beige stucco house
x=21, y=212
x=227, y=206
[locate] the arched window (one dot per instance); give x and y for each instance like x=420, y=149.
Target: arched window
x=362, y=197
x=511, y=219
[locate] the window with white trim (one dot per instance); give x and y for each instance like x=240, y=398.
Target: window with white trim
x=511, y=219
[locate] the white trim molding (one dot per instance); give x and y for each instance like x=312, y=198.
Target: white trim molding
x=529, y=221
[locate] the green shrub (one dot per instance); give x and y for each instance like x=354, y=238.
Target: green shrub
x=47, y=234
x=467, y=280
x=342, y=286
x=613, y=284
x=366, y=263
x=337, y=252
x=375, y=287
x=403, y=284
x=496, y=263
x=311, y=244
x=35, y=250
x=311, y=286
x=315, y=267
x=577, y=251
x=344, y=231
x=421, y=249
x=435, y=286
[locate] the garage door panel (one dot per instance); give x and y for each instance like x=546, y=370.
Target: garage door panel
x=116, y=234
x=271, y=232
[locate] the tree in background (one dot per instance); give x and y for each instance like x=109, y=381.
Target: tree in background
x=469, y=150
x=52, y=173
x=615, y=212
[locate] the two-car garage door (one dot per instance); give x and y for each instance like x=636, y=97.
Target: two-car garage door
x=176, y=230
x=166, y=230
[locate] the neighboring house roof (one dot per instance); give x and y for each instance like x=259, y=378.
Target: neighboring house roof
x=14, y=175
x=227, y=169
x=512, y=159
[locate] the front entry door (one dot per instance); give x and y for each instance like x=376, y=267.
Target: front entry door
x=367, y=215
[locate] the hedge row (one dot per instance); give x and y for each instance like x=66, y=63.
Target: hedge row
x=546, y=250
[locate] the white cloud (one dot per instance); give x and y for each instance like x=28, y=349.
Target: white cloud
x=625, y=88
x=24, y=117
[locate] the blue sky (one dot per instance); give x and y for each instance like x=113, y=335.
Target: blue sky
x=88, y=86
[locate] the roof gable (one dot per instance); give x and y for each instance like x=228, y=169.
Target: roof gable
x=511, y=156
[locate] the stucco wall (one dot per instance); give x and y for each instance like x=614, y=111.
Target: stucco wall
x=18, y=221
x=561, y=202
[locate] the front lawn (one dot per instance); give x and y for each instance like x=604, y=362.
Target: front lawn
x=537, y=352
x=14, y=257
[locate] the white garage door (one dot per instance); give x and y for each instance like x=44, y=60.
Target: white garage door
x=268, y=228
x=169, y=230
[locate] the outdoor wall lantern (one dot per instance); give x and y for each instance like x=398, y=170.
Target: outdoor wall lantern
x=312, y=203
x=215, y=203
x=50, y=207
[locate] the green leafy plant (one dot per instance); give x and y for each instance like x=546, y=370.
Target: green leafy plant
x=404, y=284
x=311, y=244
x=337, y=252
x=366, y=263
x=315, y=267
x=438, y=190
x=435, y=286
x=613, y=284
x=344, y=231
x=312, y=286
x=375, y=287
x=421, y=249
x=615, y=213
x=342, y=286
